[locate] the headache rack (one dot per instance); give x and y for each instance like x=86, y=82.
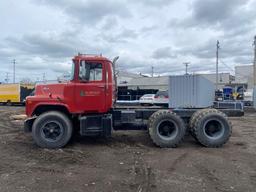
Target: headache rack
x=90, y=54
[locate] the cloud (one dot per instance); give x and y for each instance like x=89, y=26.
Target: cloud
x=230, y=16
x=164, y=53
x=120, y=37
x=41, y=45
x=109, y=23
x=214, y=11
x=90, y=12
x=231, y=22
x=243, y=60
x=44, y=35
x=155, y=3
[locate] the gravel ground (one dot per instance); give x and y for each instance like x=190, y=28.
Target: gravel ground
x=126, y=162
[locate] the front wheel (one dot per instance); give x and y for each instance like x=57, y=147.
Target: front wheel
x=52, y=130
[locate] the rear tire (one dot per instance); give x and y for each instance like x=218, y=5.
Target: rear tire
x=52, y=130
x=195, y=116
x=212, y=128
x=166, y=129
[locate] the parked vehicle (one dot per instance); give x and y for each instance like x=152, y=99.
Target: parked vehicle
x=86, y=104
x=14, y=93
x=161, y=98
x=219, y=95
x=147, y=99
x=248, y=97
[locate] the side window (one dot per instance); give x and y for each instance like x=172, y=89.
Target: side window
x=90, y=71
x=95, y=72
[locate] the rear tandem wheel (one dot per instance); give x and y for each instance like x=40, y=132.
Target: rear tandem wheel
x=166, y=129
x=195, y=116
x=211, y=127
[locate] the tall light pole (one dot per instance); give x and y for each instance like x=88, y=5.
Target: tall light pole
x=14, y=62
x=7, y=77
x=254, y=74
x=152, y=71
x=217, y=63
x=44, y=77
x=186, y=65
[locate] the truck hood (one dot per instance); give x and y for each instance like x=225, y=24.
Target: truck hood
x=52, y=90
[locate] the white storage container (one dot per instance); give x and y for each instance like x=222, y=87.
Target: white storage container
x=190, y=91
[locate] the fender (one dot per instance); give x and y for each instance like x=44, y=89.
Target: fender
x=42, y=108
x=50, y=106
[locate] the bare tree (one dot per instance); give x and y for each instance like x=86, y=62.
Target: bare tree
x=26, y=80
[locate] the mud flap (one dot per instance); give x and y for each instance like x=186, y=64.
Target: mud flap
x=28, y=124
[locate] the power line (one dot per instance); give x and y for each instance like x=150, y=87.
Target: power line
x=226, y=65
x=236, y=72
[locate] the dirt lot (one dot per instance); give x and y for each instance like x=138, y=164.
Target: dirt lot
x=126, y=162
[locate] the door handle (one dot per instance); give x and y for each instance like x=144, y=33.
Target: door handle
x=82, y=93
x=101, y=86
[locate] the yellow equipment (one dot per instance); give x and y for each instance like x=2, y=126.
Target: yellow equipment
x=14, y=93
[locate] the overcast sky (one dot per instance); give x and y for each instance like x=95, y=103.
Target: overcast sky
x=43, y=35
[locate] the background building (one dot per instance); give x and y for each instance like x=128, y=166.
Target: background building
x=244, y=74
x=133, y=81
x=124, y=77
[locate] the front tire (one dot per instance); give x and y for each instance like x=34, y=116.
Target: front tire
x=52, y=130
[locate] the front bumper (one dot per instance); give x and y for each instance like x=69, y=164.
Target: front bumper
x=28, y=124
x=145, y=102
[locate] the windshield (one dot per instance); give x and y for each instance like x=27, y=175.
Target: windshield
x=162, y=93
x=72, y=71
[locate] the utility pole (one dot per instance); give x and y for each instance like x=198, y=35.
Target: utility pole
x=14, y=62
x=43, y=77
x=7, y=77
x=152, y=71
x=254, y=74
x=217, y=63
x=186, y=65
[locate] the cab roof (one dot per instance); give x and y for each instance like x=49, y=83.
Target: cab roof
x=88, y=57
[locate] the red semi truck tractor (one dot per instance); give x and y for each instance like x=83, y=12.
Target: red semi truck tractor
x=86, y=104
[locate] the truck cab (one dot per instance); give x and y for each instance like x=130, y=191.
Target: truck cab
x=86, y=98
x=91, y=89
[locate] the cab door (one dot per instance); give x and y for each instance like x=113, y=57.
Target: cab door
x=90, y=94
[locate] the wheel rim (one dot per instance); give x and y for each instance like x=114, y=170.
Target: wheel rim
x=52, y=131
x=214, y=129
x=167, y=129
